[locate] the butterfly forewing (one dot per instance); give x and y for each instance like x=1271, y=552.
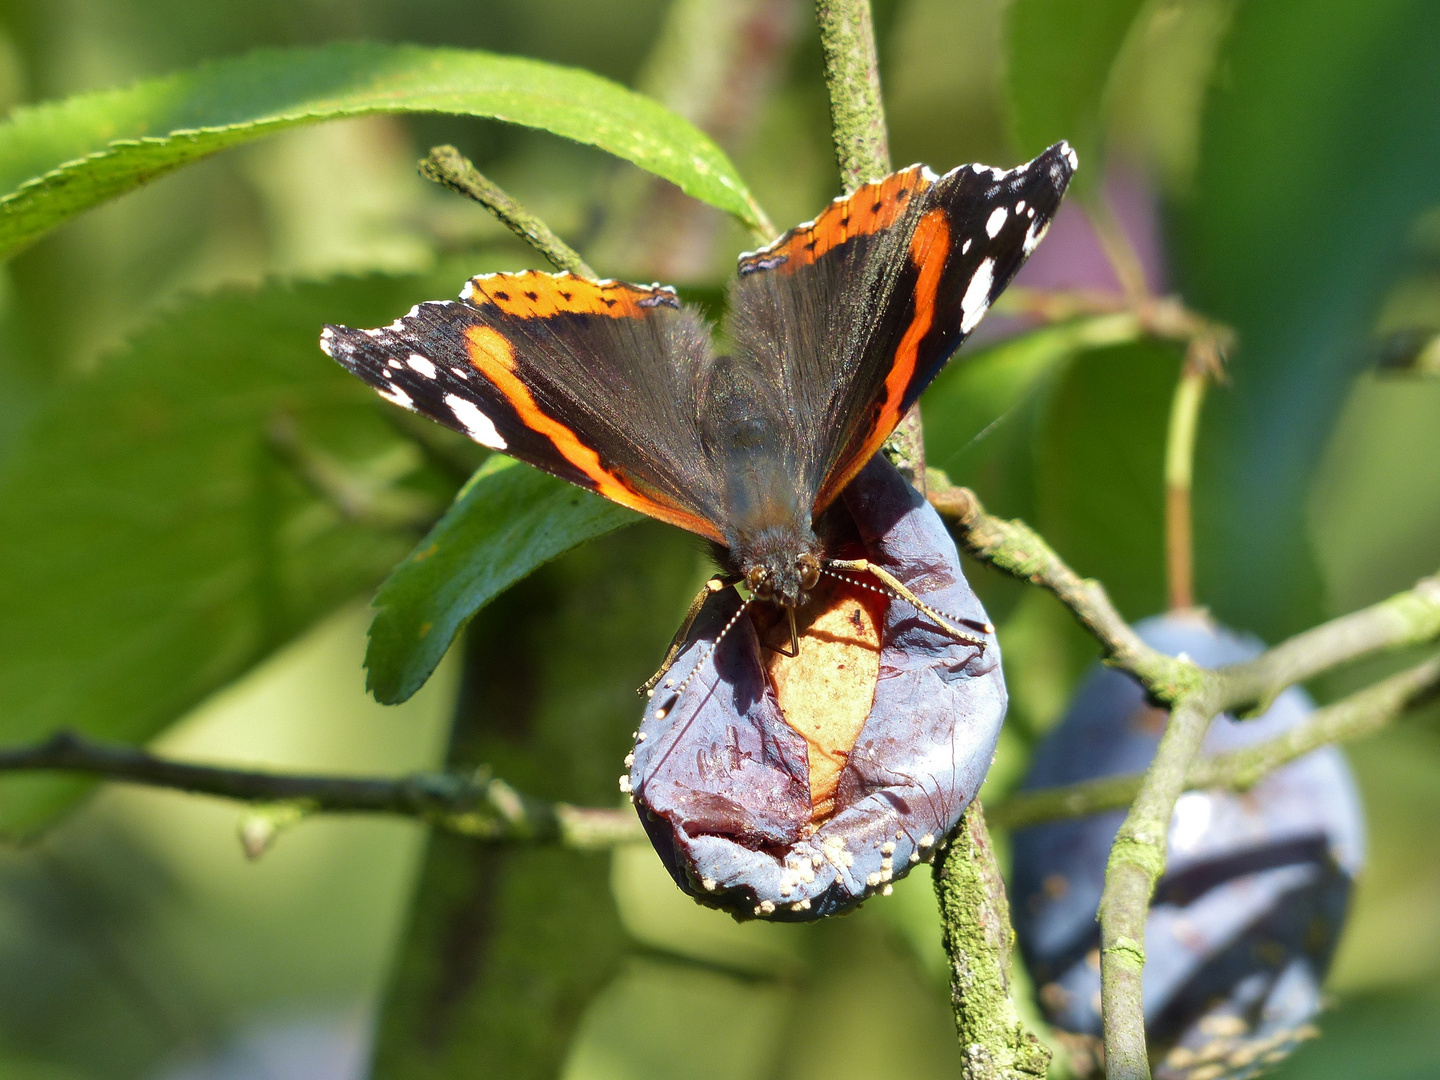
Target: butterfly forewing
x=905, y=269
x=838, y=326
x=594, y=382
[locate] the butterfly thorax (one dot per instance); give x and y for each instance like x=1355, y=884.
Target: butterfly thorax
x=752, y=451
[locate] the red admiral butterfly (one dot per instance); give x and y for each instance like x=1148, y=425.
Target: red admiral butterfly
x=836, y=328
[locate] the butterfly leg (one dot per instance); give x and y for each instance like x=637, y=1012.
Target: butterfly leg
x=895, y=585
x=713, y=586
x=794, y=649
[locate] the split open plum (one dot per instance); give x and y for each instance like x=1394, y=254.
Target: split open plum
x=1245, y=921
x=793, y=788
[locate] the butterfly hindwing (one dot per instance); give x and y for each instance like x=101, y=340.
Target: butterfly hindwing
x=854, y=314
x=594, y=382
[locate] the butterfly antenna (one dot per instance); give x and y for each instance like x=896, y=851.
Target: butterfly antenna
x=664, y=710
x=894, y=587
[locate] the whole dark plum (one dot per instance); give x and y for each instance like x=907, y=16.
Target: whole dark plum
x=1245, y=921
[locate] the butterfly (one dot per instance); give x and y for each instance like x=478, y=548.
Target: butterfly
x=835, y=329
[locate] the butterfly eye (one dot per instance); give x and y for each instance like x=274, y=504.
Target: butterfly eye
x=809, y=569
x=757, y=579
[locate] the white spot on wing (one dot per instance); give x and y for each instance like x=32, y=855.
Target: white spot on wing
x=420, y=364
x=479, y=426
x=1034, y=235
x=398, y=396
x=996, y=222
x=965, y=247
x=977, y=296
x=1020, y=207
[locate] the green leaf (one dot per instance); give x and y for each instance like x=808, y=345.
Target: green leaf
x=1059, y=54
x=1319, y=152
x=506, y=947
x=980, y=390
x=61, y=158
x=507, y=521
x=1100, y=471
x=154, y=544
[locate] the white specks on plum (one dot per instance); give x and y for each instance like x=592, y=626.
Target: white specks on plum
x=996, y=222
x=928, y=840
x=477, y=424
x=977, y=297
x=887, y=848
x=630, y=759
x=640, y=737
x=625, y=785
x=708, y=884
x=766, y=907
x=872, y=880
x=419, y=364
x=887, y=890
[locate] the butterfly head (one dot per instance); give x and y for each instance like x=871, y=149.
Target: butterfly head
x=778, y=568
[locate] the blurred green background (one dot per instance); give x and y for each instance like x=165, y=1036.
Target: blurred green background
x=1276, y=162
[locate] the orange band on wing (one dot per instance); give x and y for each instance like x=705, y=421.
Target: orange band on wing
x=867, y=210
x=929, y=248
x=494, y=357
x=536, y=295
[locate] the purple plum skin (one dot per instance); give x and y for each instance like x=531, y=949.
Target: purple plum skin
x=1245, y=921
x=721, y=781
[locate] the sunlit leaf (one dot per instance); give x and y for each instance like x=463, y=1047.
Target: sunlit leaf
x=61, y=158
x=154, y=545
x=507, y=521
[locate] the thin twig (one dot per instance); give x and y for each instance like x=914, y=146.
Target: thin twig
x=1357, y=716
x=852, y=76
x=1179, y=470
x=1196, y=696
x=975, y=923
x=1136, y=864
x=447, y=166
x=474, y=805
x=1014, y=547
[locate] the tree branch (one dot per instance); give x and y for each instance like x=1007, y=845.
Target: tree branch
x=1355, y=717
x=975, y=924
x=1014, y=547
x=852, y=75
x=448, y=167
x=475, y=805
x=1195, y=696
